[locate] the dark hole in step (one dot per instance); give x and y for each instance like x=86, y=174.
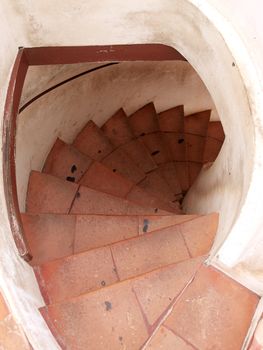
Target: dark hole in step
x=142, y=134
x=77, y=195
x=99, y=151
x=71, y=178
x=155, y=152
x=180, y=140
x=103, y=283
x=114, y=170
x=108, y=305
x=145, y=225
x=120, y=339
x=73, y=168
x=156, y=210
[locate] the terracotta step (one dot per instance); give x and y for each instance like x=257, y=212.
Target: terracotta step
x=182, y=174
x=71, y=277
x=195, y=147
x=140, y=155
x=49, y=194
x=214, y=141
x=118, y=131
x=89, y=201
x=144, y=121
x=197, y=123
x=215, y=130
x=167, y=246
x=212, y=149
x=92, y=142
x=217, y=305
x=168, y=172
x=167, y=339
x=176, y=144
x=172, y=120
x=156, y=146
x=119, y=161
x=81, y=273
x=66, y=162
x=144, y=198
x=101, y=178
x=119, y=316
x=52, y=236
x=49, y=236
x=155, y=184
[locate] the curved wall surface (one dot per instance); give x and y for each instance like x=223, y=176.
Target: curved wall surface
x=227, y=58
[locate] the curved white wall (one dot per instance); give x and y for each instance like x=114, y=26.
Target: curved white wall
x=211, y=43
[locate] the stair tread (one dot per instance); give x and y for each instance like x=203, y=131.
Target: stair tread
x=120, y=314
x=119, y=132
x=170, y=175
x=155, y=144
x=51, y=236
x=212, y=149
x=197, y=123
x=60, y=277
x=156, y=184
x=172, y=120
x=47, y=193
x=100, y=177
x=216, y=131
x=89, y=201
x=64, y=161
x=120, y=162
x=92, y=142
x=117, y=129
x=144, y=120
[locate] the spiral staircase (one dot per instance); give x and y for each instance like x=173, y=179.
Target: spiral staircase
x=119, y=264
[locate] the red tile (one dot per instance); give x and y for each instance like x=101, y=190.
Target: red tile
x=117, y=129
x=195, y=146
x=78, y=274
x=49, y=236
x=197, y=123
x=89, y=201
x=155, y=145
x=199, y=233
x=119, y=162
x=48, y=194
x=153, y=223
x=165, y=339
x=146, y=199
x=149, y=252
x=107, y=319
x=139, y=155
x=157, y=291
x=182, y=174
x=66, y=162
x=3, y=308
x=212, y=149
x=214, y=312
x=11, y=336
x=172, y=120
x=93, y=231
x=168, y=172
x=216, y=131
x=101, y=178
x=176, y=145
x=92, y=142
x=144, y=120
x=157, y=186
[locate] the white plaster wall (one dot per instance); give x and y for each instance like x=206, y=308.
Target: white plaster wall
x=203, y=34
x=64, y=111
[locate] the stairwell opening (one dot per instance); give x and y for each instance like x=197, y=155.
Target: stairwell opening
x=222, y=187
